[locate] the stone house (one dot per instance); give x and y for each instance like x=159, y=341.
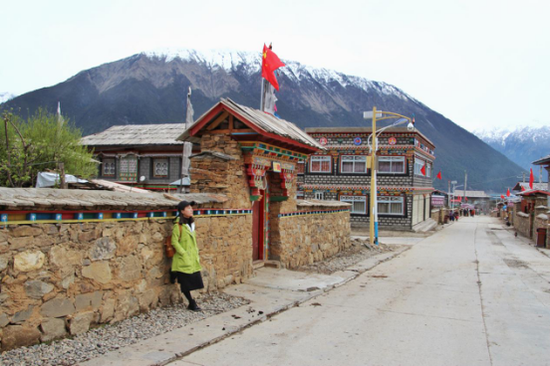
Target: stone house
x=342, y=173
x=145, y=156
x=252, y=158
x=71, y=260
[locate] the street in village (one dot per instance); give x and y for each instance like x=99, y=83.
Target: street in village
x=471, y=294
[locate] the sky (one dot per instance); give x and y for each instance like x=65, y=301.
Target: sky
x=483, y=64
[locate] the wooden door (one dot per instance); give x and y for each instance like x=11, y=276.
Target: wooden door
x=258, y=229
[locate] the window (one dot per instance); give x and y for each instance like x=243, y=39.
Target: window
x=319, y=195
x=160, y=168
x=354, y=164
x=320, y=164
x=390, y=205
x=418, y=164
x=108, y=167
x=358, y=203
x=300, y=167
x=428, y=170
x=391, y=164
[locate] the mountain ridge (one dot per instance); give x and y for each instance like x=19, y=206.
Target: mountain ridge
x=152, y=87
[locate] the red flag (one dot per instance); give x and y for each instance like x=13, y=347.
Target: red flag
x=502, y=196
x=423, y=170
x=522, y=188
x=270, y=63
x=531, y=179
x=508, y=193
x=439, y=175
x=465, y=198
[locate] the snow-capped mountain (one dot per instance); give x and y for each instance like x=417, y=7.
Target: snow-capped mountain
x=151, y=87
x=5, y=96
x=522, y=145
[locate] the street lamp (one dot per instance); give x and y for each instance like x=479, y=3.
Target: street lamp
x=379, y=115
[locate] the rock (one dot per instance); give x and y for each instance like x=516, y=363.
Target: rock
x=89, y=301
x=37, y=289
x=99, y=271
x=22, y=315
x=18, y=336
x=3, y=263
x=56, y=308
x=25, y=230
x=80, y=323
x=107, y=311
x=147, y=300
x=104, y=248
x=52, y=328
x=4, y=320
x=28, y=261
x=130, y=269
x=127, y=245
x=65, y=259
x=67, y=281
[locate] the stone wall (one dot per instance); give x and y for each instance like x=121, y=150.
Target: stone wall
x=522, y=223
x=61, y=279
x=301, y=240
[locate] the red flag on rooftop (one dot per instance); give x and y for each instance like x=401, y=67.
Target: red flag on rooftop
x=439, y=175
x=522, y=188
x=423, y=170
x=270, y=63
x=508, y=193
x=502, y=196
x=531, y=179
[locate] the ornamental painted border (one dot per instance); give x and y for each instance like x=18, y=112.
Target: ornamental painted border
x=56, y=217
x=309, y=213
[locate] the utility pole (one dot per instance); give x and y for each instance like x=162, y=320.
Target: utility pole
x=465, y=181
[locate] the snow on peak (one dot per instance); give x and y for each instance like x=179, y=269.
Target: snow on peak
x=5, y=96
x=250, y=62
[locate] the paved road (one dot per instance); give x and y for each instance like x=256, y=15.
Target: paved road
x=471, y=294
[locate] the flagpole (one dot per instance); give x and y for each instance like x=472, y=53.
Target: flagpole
x=262, y=98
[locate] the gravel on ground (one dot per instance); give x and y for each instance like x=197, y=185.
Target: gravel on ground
x=101, y=340
x=359, y=250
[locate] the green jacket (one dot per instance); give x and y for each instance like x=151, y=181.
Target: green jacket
x=186, y=259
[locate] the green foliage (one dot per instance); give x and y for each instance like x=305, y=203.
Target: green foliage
x=37, y=144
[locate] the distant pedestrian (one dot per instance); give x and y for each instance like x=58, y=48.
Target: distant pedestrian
x=186, y=267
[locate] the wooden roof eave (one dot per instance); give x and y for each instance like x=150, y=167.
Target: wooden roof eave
x=192, y=131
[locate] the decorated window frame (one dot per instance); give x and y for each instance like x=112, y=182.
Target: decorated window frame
x=321, y=164
x=388, y=164
x=358, y=204
x=108, y=167
x=160, y=168
x=353, y=164
x=391, y=205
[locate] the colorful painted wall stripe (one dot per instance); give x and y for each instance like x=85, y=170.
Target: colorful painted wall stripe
x=45, y=217
x=317, y=212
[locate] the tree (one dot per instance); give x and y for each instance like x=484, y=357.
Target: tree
x=41, y=142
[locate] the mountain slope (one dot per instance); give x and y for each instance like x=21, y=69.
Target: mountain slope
x=152, y=87
x=522, y=145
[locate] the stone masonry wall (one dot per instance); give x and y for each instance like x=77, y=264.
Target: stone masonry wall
x=61, y=279
x=301, y=240
x=210, y=174
x=522, y=223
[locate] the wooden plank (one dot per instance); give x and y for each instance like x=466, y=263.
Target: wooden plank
x=217, y=121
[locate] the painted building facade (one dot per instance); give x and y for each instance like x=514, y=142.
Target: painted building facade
x=343, y=173
x=145, y=156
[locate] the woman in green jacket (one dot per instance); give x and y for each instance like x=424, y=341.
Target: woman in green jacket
x=186, y=267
